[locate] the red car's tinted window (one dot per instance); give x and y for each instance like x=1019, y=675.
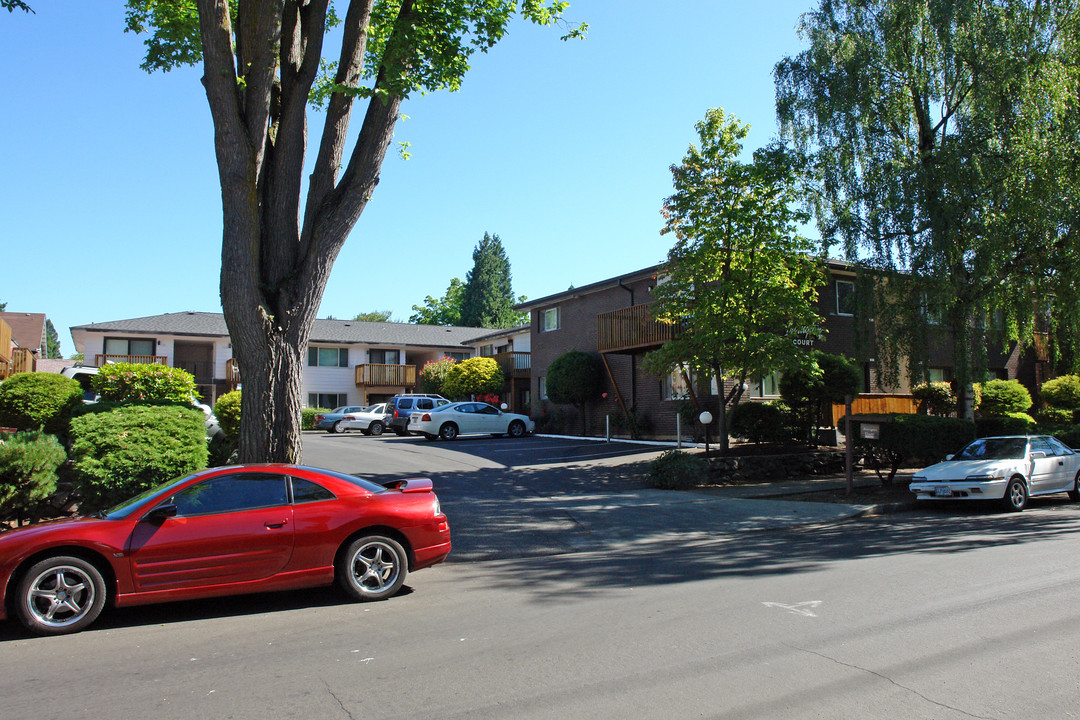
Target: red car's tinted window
x=304, y=491
x=232, y=493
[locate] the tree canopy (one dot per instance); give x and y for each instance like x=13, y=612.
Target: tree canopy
x=374, y=316
x=488, y=298
x=285, y=220
x=943, y=143
x=441, y=311
x=739, y=281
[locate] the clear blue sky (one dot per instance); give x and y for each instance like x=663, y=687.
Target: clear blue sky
x=109, y=199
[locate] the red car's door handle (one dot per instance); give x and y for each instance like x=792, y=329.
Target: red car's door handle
x=276, y=525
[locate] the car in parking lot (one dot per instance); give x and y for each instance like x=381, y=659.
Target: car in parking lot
x=469, y=418
x=370, y=421
x=223, y=531
x=1009, y=469
x=331, y=421
x=400, y=407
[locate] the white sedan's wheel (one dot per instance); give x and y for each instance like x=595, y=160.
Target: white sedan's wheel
x=1016, y=495
x=516, y=429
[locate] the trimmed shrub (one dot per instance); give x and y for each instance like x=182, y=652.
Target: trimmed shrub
x=760, y=422
x=1054, y=416
x=935, y=398
x=1016, y=423
x=1001, y=397
x=472, y=377
x=433, y=374
x=227, y=412
x=118, y=452
x=1062, y=392
x=1070, y=436
x=913, y=439
x=135, y=382
x=33, y=401
x=677, y=470
x=307, y=417
x=28, y=465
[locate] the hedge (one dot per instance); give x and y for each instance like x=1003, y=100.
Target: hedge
x=676, y=470
x=913, y=439
x=28, y=473
x=135, y=382
x=118, y=452
x=33, y=401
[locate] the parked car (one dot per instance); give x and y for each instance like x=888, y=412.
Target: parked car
x=284, y=527
x=1008, y=469
x=400, y=407
x=84, y=375
x=331, y=421
x=469, y=418
x=370, y=420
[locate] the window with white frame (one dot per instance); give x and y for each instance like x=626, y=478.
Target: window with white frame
x=768, y=386
x=327, y=400
x=845, y=297
x=130, y=346
x=675, y=385
x=328, y=357
x=551, y=320
x=457, y=356
x=543, y=388
x=384, y=357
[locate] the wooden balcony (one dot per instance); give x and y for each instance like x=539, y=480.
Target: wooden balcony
x=5, y=342
x=631, y=329
x=22, y=360
x=386, y=375
x=100, y=360
x=514, y=364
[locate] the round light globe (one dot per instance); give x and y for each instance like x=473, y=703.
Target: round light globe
x=705, y=418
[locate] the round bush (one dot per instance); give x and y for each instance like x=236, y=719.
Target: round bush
x=433, y=374
x=472, y=377
x=136, y=382
x=33, y=400
x=1008, y=424
x=759, y=422
x=574, y=378
x=28, y=465
x=1001, y=397
x=120, y=451
x=227, y=412
x=1053, y=416
x=1062, y=392
x=935, y=398
x=677, y=470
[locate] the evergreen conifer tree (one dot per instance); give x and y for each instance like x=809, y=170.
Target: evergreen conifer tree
x=488, y=298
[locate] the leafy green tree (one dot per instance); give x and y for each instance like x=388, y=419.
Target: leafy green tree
x=374, y=316
x=261, y=64
x=574, y=378
x=442, y=311
x=474, y=376
x=488, y=298
x=739, y=283
x=943, y=138
x=811, y=390
x=52, y=341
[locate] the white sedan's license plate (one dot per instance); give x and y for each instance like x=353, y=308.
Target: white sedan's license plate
x=943, y=491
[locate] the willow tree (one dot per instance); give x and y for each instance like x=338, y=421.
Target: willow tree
x=739, y=281
x=263, y=60
x=943, y=144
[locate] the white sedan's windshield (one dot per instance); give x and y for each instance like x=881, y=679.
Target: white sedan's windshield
x=994, y=449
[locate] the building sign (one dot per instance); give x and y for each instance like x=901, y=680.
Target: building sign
x=870, y=431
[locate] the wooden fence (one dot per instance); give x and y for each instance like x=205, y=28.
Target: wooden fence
x=877, y=404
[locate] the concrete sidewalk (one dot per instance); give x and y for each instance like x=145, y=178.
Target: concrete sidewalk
x=537, y=526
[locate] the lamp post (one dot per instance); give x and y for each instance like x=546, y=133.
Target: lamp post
x=706, y=419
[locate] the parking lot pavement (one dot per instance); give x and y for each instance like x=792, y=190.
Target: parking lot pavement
x=544, y=496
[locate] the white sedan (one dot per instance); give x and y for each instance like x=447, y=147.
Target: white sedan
x=1009, y=469
x=370, y=420
x=468, y=418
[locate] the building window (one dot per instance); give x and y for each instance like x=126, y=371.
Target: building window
x=457, y=356
x=327, y=400
x=675, y=386
x=130, y=346
x=328, y=357
x=543, y=388
x=845, y=297
x=938, y=375
x=487, y=350
x=551, y=320
x=384, y=357
x=768, y=386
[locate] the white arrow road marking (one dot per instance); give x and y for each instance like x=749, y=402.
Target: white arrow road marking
x=803, y=608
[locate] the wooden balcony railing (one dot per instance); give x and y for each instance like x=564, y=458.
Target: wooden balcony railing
x=22, y=360
x=5, y=342
x=393, y=375
x=631, y=328
x=514, y=364
x=101, y=359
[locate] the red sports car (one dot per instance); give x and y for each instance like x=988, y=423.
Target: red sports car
x=223, y=531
